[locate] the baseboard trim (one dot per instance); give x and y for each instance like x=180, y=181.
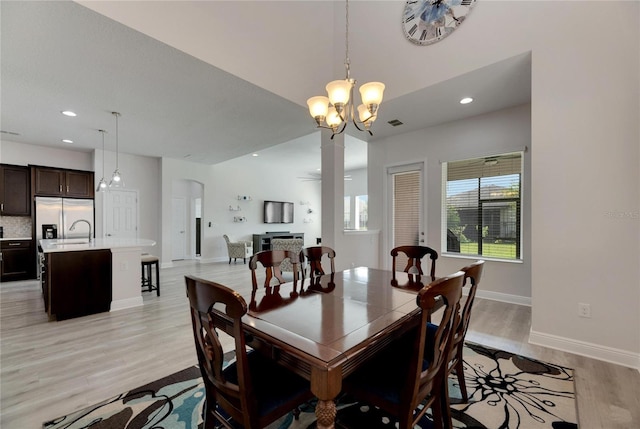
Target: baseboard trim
x=583, y=348
x=504, y=297
x=121, y=304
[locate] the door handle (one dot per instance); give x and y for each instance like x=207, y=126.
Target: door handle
x=108, y=235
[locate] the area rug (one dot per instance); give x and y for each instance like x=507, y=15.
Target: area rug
x=506, y=391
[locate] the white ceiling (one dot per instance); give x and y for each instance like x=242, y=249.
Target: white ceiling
x=62, y=55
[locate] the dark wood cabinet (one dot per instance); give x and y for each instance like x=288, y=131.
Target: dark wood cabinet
x=56, y=182
x=77, y=283
x=17, y=260
x=14, y=190
x=263, y=241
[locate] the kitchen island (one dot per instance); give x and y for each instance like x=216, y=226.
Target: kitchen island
x=81, y=277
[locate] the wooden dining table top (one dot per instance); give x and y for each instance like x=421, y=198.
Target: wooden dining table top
x=325, y=327
x=330, y=317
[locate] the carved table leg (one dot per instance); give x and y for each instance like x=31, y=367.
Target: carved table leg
x=325, y=414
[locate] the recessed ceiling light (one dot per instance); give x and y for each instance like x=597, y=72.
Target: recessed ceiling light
x=466, y=100
x=318, y=169
x=254, y=154
x=69, y=113
x=67, y=141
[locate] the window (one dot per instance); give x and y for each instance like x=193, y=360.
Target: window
x=481, y=214
x=347, y=213
x=362, y=212
x=356, y=213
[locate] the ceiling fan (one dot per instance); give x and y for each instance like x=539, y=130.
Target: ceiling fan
x=493, y=160
x=316, y=177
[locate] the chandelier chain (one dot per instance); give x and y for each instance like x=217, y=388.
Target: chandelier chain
x=116, y=115
x=347, y=62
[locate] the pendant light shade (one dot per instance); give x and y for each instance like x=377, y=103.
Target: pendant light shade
x=102, y=185
x=116, y=177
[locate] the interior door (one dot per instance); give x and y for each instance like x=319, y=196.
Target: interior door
x=406, y=217
x=178, y=228
x=121, y=213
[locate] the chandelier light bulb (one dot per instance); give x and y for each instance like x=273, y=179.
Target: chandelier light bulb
x=365, y=115
x=338, y=91
x=333, y=118
x=318, y=107
x=371, y=93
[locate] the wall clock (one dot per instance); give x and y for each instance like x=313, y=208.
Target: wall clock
x=427, y=21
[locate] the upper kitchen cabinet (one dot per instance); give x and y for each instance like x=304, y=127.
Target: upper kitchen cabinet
x=14, y=190
x=56, y=182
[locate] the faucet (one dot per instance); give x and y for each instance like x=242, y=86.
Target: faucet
x=73, y=226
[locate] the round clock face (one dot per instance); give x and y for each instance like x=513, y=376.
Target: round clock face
x=428, y=21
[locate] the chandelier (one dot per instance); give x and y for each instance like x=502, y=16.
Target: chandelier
x=336, y=110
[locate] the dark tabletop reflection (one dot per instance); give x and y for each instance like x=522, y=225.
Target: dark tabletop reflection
x=322, y=284
x=410, y=282
x=271, y=298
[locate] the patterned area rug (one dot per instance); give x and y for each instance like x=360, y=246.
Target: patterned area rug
x=506, y=391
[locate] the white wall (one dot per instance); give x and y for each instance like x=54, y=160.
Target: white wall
x=24, y=154
x=223, y=183
x=585, y=201
x=504, y=131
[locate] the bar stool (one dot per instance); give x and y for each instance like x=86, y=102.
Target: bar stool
x=147, y=261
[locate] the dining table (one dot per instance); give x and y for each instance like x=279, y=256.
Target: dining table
x=325, y=327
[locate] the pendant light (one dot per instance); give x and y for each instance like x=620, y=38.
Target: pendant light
x=116, y=178
x=102, y=185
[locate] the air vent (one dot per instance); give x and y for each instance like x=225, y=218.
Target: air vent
x=395, y=122
x=9, y=132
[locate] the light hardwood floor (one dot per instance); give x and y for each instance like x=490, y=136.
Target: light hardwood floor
x=52, y=368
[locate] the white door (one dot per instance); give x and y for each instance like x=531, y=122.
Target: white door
x=178, y=228
x=121, y=213
x=406, y=207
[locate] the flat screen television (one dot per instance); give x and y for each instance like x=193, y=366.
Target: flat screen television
x=278, y=212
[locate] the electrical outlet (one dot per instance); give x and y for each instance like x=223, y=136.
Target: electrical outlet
x=584, y=310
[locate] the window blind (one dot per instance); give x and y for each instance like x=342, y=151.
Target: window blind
x=482, y=206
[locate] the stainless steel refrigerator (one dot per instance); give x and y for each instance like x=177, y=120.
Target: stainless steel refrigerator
x=62, y=212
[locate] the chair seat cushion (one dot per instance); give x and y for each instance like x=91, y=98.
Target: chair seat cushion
x=273, y=385
x=385, y=374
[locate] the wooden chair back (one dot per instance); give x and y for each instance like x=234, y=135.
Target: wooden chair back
x=271, y=260
x=472, y=276
x=430, y=381
x=314, y=259
x=232, y=398
x=415, y=255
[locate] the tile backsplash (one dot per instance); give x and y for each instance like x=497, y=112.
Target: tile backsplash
x=16, y=226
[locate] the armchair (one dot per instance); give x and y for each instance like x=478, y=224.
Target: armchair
x=239, y=249
x=292, y=244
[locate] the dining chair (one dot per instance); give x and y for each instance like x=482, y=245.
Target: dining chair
x=271, y=261
x=314, y=256
x=472, y=275
x=415, y=255
x=254, y=391
x=408, y=372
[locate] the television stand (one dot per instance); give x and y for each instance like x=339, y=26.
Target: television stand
x=263, y=241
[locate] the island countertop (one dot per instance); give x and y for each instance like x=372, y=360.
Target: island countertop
x=80, y=244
